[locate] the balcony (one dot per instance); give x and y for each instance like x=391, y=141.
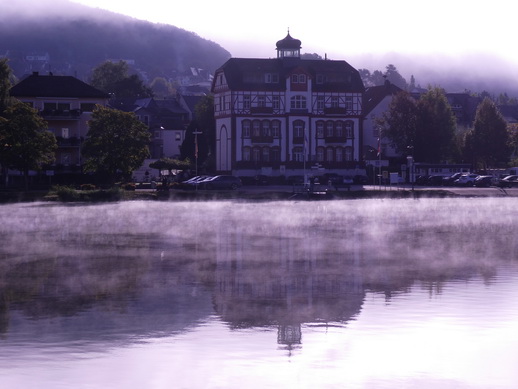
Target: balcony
x=335, y=111
x=69, y=142
x=262, y=139
x=335, y=139
x=57, y=114
x=261, y=110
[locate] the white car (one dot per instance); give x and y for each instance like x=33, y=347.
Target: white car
x=466, y=180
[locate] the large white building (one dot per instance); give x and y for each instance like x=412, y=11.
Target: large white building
x=287, y=115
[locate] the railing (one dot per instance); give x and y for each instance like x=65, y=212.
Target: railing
x=55, y=114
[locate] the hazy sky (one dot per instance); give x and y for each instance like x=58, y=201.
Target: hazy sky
x=339, y=28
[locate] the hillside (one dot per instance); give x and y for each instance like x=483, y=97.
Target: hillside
x=71, y=39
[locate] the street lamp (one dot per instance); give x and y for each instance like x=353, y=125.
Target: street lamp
x=196, y=133
x=411, y=164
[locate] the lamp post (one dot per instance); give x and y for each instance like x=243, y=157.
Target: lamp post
x=410, y=163
x=196, y=133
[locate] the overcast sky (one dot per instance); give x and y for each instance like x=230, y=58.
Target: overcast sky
x=337, y=27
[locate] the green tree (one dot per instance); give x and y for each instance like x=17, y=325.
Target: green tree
x=399, y=122
x=6, y=81
x=24, y=142
x=203, y=122
x=162, y=88
x=425, y=127
x=490, y=138
x=394, y=77
x=108, y=74
x=435, y=138
x=116, y=144
x=113, y=78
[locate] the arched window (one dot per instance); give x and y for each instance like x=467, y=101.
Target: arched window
x=298, y=102
x=339, y=129
x=275, y=154
x=256, y=154
x=320, y=129
x=298, y=129
x=266, y=154
x=256, y=128
x=298, y=154
x=266, y=128
x=246, y=128
x=246, y=154
x=339, y=154
x=276, y=128
x=349, y=129
x=329, y=128
x=348, y=153
x=320, y=154
x=330, y=154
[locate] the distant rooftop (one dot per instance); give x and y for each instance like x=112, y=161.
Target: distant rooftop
x=55, y=86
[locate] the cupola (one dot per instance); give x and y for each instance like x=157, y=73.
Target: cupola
x=288, y=47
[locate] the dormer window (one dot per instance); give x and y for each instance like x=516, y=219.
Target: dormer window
x=271, y=78
x=298, y=78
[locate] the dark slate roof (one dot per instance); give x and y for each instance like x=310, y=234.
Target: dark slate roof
x=55, y=86
x=191, y=101
x=375, y=94
x=171, y=105
x=288, y=43
x=341, y=76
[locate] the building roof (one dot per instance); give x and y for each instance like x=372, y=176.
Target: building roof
x=191, y=101
x=288, y=43
x=248, y=74
x=55, y=86
x=375, y=94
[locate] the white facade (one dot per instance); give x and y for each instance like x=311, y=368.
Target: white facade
x=287, y=115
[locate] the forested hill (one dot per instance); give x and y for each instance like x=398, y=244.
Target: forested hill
x=71, y=39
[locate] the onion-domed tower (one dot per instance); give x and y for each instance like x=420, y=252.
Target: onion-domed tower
x=288, y=47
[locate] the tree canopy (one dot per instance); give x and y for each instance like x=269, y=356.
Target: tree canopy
x=116, y=144
x=6, y=81
x=377, y=77
x=425, y=126
x=489, y=139
x=114, y=78
x=24, y=142
x=205, y=124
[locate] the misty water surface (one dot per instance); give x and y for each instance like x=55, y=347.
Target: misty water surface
x=372, y=293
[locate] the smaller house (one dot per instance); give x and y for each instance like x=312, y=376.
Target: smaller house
x=66, y=103
x=376, y=101
x=166, y=119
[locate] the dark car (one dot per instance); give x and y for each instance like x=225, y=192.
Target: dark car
x=435, y=180
x=483, y=181
x=448, y=181
x=360, y=179
x=221, y=182
x=508, y=182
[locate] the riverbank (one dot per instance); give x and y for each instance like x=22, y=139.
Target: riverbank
x=254, y=193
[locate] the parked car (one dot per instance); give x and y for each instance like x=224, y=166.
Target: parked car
x=466, y=179
x=447, y=181
x=483, y=181
x=508, y=182
x=261, y=179
x=340, y=181
x=435, y=180
x=221, y=182
x=360, y=179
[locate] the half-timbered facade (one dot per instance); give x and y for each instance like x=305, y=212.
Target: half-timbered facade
x=285, y=115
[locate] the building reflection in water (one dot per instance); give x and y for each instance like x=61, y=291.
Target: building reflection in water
x=286, y=280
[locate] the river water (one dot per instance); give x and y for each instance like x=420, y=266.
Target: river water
x=325, y=294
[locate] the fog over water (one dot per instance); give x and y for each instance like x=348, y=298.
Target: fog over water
x=362, y=293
